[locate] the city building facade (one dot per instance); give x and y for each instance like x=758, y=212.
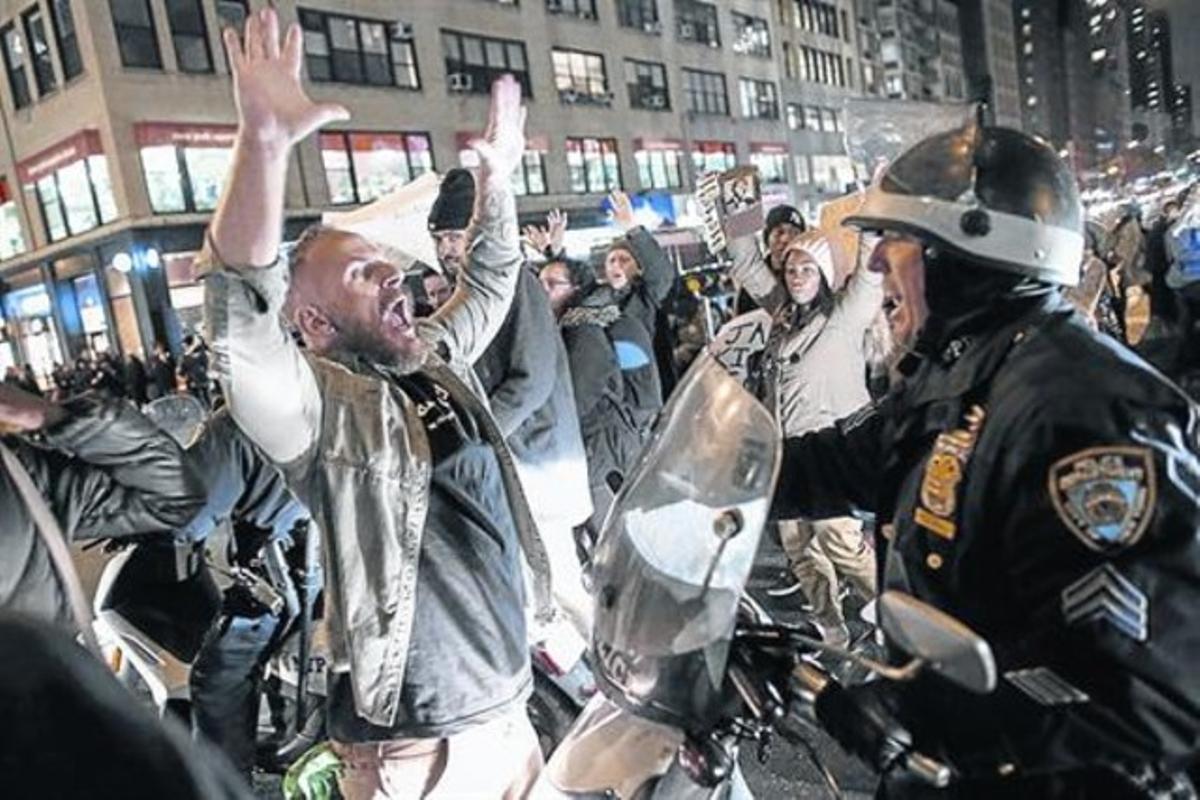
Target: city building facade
x=990, y=57
x=119, y=124
x=921, y=50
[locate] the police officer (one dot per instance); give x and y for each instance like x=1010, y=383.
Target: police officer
x=1038, y=481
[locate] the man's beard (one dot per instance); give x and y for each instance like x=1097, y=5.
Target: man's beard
x=359, y=341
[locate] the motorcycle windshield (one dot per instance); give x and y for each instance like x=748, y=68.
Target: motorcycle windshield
x=677, y=547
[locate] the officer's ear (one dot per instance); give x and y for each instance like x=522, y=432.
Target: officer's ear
x=316, y=328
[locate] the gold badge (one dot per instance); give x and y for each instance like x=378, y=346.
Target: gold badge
x=944, y=472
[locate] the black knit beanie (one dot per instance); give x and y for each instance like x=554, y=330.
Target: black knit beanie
x=455, y=202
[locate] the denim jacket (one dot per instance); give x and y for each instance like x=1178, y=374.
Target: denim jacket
x=354, y=449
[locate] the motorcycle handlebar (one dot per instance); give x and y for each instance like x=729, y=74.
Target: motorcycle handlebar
x=810, y=681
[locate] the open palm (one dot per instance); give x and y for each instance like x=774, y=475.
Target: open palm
x=272, y=105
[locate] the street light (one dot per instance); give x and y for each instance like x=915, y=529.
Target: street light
x=122, y=262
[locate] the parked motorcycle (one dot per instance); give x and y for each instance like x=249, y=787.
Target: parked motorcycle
x=689, y=666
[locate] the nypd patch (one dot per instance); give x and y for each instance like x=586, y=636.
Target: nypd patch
x=1105, y=495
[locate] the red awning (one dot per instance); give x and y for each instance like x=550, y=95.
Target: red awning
x=153, y=134
x=657, y=144
x=712, y=147
x=81, y=145
x=366, y=141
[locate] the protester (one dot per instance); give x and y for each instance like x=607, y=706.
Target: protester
x=525, y=374
x=135, y=379
x=193, y=368
x=783, y=224
x=638, y=277
x=161, y=370
x=104, y=470
x=811, y=373
x=431, y=667
x=1037, y=481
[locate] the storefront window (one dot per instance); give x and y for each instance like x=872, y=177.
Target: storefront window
x=593, y=165
x=77, y=198
x=714, y=157
x=120, y=300
x=184, y=165
x=12, y=240
x=29, y=309
x=659, y=169
x=772, y=167
x=73, y=185
x=360, y=167
x=52, y=211
x=91, y=313
x=164, y=183
x=206, y=169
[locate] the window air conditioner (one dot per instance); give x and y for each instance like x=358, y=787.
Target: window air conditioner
x=653, y=27
x=402, y=31
x=687, y=30
x=569, y=96
x=554, y=5
x=459, y=82
x=656, y=101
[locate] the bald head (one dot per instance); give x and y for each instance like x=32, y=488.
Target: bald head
x=345, y=295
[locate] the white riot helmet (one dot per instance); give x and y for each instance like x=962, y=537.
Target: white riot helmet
x=995, y=197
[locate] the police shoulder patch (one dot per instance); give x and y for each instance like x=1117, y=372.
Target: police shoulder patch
x=1105, y=495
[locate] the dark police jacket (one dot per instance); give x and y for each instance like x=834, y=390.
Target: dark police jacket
x=1040, y=483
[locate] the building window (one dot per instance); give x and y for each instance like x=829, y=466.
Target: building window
x=831, y=120
x=640, y=14
x=647, y=85
x=713, y=156
x=580, y=77
x=360, y=167
x=68, y=40
x=803, y=175
x=43, y=64
x=795, y=117
x=14, y=64
x=473, y=63
x=530, y=175
x=660, y=168
x=759, y=99
x=184, y=167
x=705, y=92
x=697, y=22
x=367, y=52
x=593, y=166
x=584, y=9
x=189, y=34
x=133, y=23
x=232, y=14
x=751, y=36
x=772, y=167
x=812, y=118
x=76, y=197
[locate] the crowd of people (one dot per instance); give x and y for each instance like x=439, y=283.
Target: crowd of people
x=131, y=378
x=963, y=410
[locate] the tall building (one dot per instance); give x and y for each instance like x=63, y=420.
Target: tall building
x=1074, y=76
x=990, y=57
x=870, y=63
x=1182, y=130
x=1151, y=72
x=118, y=125
x=921, y=50
x=821, y=68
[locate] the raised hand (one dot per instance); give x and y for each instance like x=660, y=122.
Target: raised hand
x=538, y=238
x=502, y=145
x=622, y=211
x=273, y=109
x=557, y=220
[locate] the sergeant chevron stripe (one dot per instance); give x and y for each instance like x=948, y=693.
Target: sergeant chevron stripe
x=1105, y=594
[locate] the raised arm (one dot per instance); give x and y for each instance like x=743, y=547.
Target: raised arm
x=469, y=320
x=749, y=271
x=269, y=386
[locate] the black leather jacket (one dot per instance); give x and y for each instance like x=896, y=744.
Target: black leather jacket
x=1040, y=483
x=106, y=471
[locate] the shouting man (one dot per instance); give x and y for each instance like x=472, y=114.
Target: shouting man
x=382, y=431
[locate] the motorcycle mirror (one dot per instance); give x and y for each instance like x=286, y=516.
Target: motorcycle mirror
x=947, y=646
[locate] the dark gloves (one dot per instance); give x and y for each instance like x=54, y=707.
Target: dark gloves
x=862, y=722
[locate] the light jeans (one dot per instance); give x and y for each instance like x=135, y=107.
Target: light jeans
x=821, y=552
x=498, y=760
